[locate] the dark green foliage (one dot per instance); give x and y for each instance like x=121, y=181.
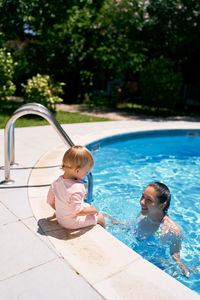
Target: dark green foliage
x=161, y=83
x=86, y=43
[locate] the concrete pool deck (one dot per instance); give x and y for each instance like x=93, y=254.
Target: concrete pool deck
x=40, y=259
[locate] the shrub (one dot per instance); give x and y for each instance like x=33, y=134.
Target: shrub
x=160, y=83
x=41, y=89
x=7, y=87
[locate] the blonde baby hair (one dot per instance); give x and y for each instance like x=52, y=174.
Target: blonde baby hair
x=77, y=157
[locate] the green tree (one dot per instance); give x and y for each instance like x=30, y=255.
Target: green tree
x=121, y=48
x=78, y=42
x=77, y=46
x=54, y=38
x=174, y=27
x=161, y=83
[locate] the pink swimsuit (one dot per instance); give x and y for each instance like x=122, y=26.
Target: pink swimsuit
x=68, y=197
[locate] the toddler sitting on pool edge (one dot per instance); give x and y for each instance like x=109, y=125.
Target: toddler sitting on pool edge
x=66, y=194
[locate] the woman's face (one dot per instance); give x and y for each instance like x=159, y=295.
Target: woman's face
x=149, y=202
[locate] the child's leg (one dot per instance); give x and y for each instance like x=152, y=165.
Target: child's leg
x=101, y=220
x=113, y=220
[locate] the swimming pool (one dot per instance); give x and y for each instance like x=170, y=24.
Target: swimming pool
x=126, y=164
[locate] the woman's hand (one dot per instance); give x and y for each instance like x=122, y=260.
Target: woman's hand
x=184, y=271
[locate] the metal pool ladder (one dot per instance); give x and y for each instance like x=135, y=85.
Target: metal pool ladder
x=9, y=138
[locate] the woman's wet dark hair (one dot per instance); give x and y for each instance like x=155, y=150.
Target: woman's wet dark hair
x=164, y=194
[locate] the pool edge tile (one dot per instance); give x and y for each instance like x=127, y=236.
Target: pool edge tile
x=143, y=281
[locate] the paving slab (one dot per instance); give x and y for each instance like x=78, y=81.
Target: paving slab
x=35, y=227
x=51, y=280
x=21, y=250
x=15, y=199
x=6, y=216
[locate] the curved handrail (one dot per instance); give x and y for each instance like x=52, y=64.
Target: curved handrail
x=36, y=109
x=12, y=131
x=42, y=108
x=21, y=112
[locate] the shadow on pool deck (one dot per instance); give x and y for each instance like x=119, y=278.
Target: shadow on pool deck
x=50, y=227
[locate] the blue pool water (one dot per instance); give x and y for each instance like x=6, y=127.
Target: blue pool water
x=125, y=165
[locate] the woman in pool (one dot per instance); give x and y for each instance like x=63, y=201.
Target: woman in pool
x=153, y=220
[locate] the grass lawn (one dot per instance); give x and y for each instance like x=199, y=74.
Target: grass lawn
x=61, y=116
x=76, y=117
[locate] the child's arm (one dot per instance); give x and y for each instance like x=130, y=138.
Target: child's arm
x=80, y=208
x=51, y=198
x=91, y=210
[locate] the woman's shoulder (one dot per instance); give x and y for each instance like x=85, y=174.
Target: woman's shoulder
x=171, y=226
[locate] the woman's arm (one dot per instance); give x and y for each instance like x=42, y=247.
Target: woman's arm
x=184, y=270
x=175, y=248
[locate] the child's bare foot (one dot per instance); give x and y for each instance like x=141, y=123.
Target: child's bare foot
x=101, y=221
